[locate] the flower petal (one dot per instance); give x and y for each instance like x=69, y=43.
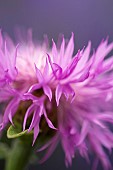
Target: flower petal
x=47, y=91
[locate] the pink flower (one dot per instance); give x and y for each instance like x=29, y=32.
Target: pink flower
x=76, y=90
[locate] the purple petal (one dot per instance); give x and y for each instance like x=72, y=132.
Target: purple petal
x=47, y=91
x=84, y=59
x=28, y=113
x=48, y=121
x=54, y=52
x=101, y=52
x=69, y=49
x=34, y=119
x=49, y=151
x=34, y=87
x=11, y=108
x=58, y=93
x=51, y=64
x=84, y=132
x=52, y=140
x=46, y=68
x=10, y=118
x=36, y=132
x=39, y=75
x=62, y=48
x=100, y=153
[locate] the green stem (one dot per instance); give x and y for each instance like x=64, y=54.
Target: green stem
x=19, y=155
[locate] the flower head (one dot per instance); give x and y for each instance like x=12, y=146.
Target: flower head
x=72, y=94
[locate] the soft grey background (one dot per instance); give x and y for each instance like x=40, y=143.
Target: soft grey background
x=88, y=19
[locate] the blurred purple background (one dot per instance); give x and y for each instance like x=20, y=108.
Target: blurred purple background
x=88, y=19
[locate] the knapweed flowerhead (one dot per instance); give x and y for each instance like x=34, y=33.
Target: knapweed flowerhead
x=44, y=88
